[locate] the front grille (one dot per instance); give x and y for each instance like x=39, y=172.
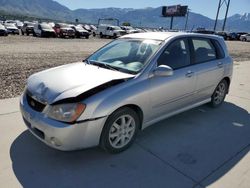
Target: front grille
x=34, y=104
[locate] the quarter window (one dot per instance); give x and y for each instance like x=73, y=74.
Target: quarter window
x=203, y=50
x=176, y=55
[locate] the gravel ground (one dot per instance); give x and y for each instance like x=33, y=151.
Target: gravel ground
x=21, y=56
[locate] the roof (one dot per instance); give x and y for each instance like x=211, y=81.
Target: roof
x=165, y=35
x=153, y=35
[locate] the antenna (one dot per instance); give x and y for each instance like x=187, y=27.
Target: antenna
x=221, y=3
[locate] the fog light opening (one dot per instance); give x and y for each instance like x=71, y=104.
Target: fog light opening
x=54, y=141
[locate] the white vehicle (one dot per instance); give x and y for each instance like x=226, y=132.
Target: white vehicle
x=11, y=28
x=245, y=37
x=110, y=31
x=129, y=29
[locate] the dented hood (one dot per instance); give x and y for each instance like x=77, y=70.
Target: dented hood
x=69, y=81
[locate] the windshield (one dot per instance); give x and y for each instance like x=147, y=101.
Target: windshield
x=126, y=55
x=46, y=26
x=116, y=28
x=9, y=25
x=79, y=28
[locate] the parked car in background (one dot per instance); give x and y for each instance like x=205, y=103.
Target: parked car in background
x=11, y=28
x=87, y=28
x=52, y=24
x=204, y=31
x=44, y=30
x=222, y=34
x=80, y=32
x=28, y=28
x=127, y=85
x=129, y=29
x=9, y=22
x=110, y=31
x=245, y=37
x=232, y=36
x=3, y=31
x=64, y=30
x=239, y=34
x=19, y=24
x=93, y=30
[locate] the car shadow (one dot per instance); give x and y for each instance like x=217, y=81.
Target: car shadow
x=200, y=145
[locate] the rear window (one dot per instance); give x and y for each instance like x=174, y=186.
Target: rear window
x=204, y=50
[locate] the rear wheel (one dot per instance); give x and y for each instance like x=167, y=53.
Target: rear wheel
x=219, y=94
x=120, y=130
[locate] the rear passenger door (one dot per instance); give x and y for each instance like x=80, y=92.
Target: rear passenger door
x=207, y=57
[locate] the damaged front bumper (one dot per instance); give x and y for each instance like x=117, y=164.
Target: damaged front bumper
x=59, y=135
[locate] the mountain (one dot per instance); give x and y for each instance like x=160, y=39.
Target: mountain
x=147, y=17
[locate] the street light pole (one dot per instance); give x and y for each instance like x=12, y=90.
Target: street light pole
x=187, y=19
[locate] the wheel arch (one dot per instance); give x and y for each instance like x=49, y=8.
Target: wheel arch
x=227, y=79
x=137, y=110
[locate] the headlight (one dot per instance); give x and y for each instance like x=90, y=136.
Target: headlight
x=66, y=112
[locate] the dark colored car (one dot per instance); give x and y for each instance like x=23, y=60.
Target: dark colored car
x=28, y=28
x=44, y=30
x=232, y=36
x=209, y=32
x=64, y=30
x=80, y=32
x=222, y=34
x=3, y=31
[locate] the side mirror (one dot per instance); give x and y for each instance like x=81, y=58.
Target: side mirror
x=163, y=70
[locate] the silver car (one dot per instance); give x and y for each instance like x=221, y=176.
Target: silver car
x=129, y=84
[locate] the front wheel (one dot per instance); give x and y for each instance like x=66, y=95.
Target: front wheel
x=120, y=130
x=219, y=94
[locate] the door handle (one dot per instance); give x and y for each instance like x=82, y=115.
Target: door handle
x=189, y=74
x=220, y=64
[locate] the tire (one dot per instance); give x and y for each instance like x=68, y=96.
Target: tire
x=22, y=32
x=101, y=35
x=244, y=39
x=27, y=33
x=87, y=37
x=116, y=135
x=94, y=34
x=115, y=36
x=219, y=94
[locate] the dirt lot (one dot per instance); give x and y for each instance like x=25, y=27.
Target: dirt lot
x=21, y=56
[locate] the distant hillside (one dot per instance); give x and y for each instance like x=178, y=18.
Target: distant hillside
x=148, y=17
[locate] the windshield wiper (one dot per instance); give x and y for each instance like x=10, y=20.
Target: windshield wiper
x=103, y=65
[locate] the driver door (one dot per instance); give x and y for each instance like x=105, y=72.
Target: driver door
x=171, y=93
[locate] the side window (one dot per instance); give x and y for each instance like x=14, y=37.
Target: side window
x=204, y=50
x=176, y=55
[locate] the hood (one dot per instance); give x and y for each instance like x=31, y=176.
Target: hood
x=11, y=27
x=48, y=30
x=69, y=81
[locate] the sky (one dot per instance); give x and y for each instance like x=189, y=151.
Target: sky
x=207, y=8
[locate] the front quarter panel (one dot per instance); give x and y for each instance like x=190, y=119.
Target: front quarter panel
x=131, y=92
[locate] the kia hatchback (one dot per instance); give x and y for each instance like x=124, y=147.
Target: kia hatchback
x=127, y=85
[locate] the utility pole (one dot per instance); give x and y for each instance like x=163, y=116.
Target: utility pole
x=225, y=20
x=187, y=19
x=171, y=22
x=221, y=3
